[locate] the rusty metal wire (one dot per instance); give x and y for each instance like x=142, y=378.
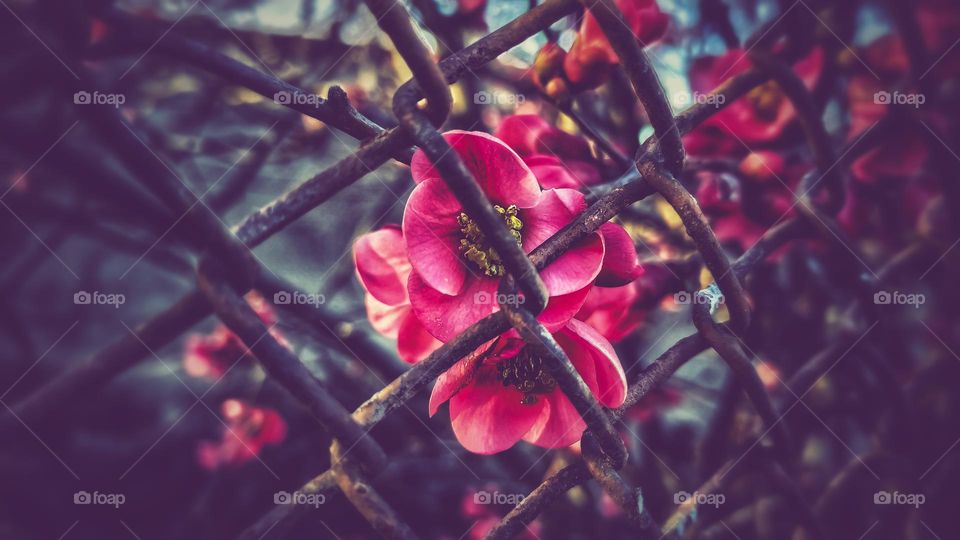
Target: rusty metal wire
x=657, y=166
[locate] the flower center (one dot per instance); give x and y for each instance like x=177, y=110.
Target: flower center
x=474, y=247
x=526, y=373
x=766, y=100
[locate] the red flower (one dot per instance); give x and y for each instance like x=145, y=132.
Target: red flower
x=455, y=273
x=557, y=158
x=591, y=55
x=610, y=311
x=98, y=31
x=939, y=22
x=503, y=392
x=892, y=186
x=212, y=355
x=383, y=269
x=896, y=157
x=248, y=429
x=471, y=6
x=759, y=117
x=742, y=213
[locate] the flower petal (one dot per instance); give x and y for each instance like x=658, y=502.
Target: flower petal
x=432, y=236
x=382, y=266
x=610, y=311
x=551, y=172
x=414, y=343
x=562, y=308
x=579, y=266
x=560, y=427
x=521, y=132
x=488, y=417
x=575, y=269
x=454, y=379
x=502, y=175
x=385, y=318
x=620, y=262
x=557, y=207
x=445, y=316
x=582, y=342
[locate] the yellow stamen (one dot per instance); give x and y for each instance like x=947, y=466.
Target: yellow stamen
x=473, y=245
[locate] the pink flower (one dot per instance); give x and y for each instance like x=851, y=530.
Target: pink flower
x=895, y=169
x=759, y=117
x=383, y=269
x=611, y=311
x=470, y=6
x=247, y=431
x=939, y=22
x=742, y=208
x=898, y=157
x=212, y=355
x=591, y=56
x=503, y=392
x=455, y=272
x=557, y=158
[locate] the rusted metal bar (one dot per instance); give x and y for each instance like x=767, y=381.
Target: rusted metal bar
x=699, y=230
x=729, y=350
x=809, y=116
x=338, y=114
x=284, y=366
x=604, y=471
x=393, y=18
x=354, y=484
x=159, y=178
x=528, y=509
x=645, y=81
